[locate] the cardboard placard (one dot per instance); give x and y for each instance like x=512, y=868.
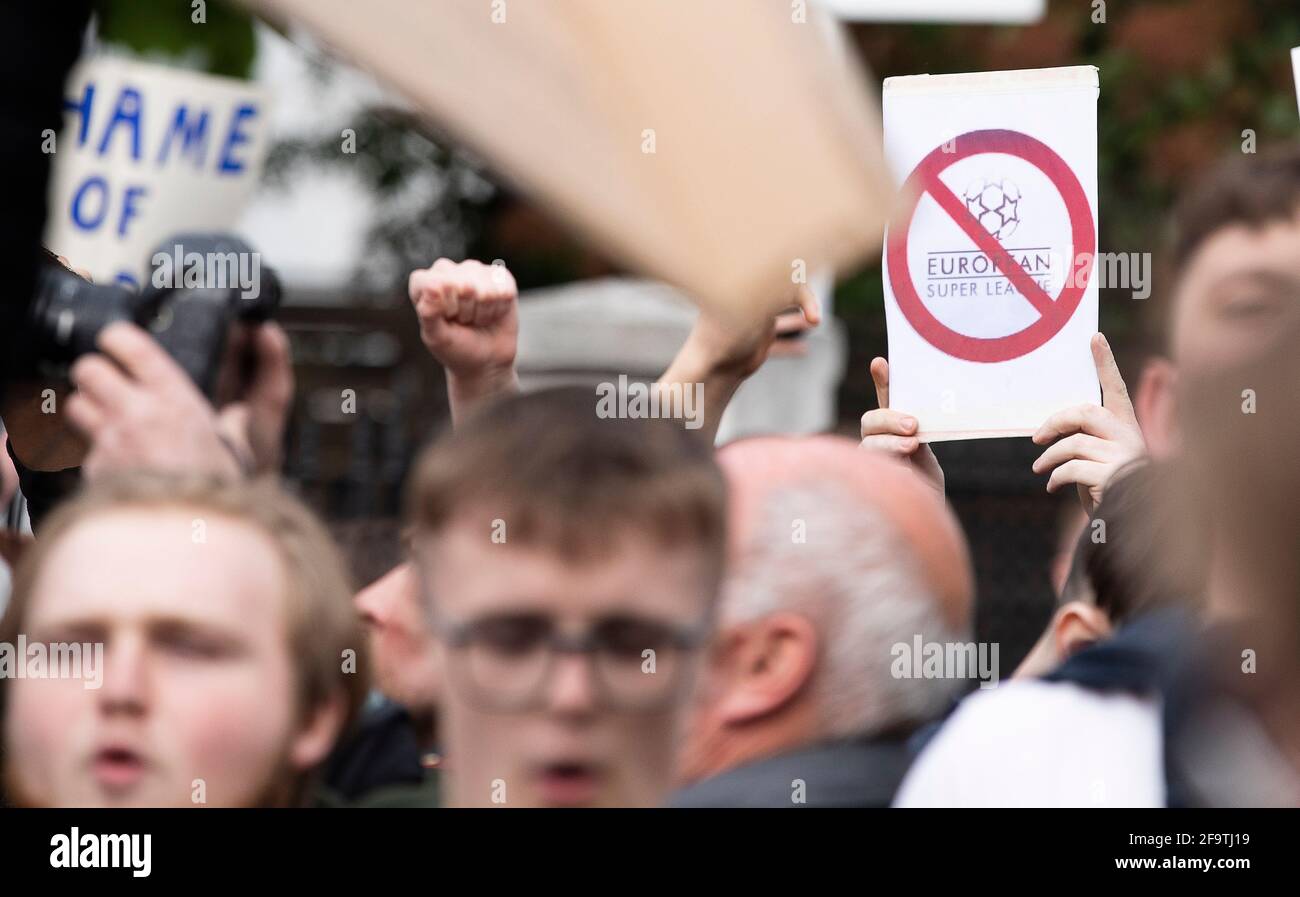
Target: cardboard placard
x=725, y=147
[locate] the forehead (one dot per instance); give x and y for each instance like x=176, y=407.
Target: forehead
x=1234, y=262
x=173, y=563
x=1241, y=245
x=467, y=574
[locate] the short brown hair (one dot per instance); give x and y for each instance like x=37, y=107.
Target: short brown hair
x=1253, y=190
x=322, y=620
x=561, y=477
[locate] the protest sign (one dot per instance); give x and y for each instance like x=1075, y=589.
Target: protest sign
x=990, y=298
x=726, y=147
x=1005, y=12
x=1295, y=67
x=148, y=152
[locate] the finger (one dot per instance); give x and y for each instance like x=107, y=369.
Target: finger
x=880, y=377
x=273, y=379
x=1091, y=419
x=100, y=382
x=902, y=446
x=1079, y=472
x=810, y=305
x=1080, y=445
x=886, y=420
x=139, y=354
x=423, y=284
x=1114, y=393
x=503, y=282
x=468, y=302
x=83, y=415
x=485, y=312
x=793, y=322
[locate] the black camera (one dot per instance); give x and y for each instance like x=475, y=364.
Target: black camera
x=199, y=286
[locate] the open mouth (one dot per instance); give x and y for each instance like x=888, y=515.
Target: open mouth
x=117, y=768
x=568, y=784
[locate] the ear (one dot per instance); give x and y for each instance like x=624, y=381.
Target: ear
x=772, y=663
x=1155, y=402
x=314, y=741
x=1076, y=626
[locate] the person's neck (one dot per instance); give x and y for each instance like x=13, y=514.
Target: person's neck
x=771, y=736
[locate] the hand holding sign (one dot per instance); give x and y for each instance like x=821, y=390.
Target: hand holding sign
x=1093, y=442
x=894, y=432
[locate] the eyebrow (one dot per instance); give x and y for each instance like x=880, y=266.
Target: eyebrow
x=97, y=628
x=1263, y=276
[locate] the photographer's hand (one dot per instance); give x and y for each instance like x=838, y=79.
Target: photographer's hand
x=469, y=321
x=139, y=409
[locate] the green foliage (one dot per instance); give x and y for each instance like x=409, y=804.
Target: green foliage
x=222, y=44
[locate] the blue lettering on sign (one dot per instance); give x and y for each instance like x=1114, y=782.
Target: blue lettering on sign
x=79, y=218
x=126, y=112
x=129, y=210
x=229, y=164
x=193, y=133
x=82, y=108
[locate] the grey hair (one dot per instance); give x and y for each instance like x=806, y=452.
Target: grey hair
x=862, y=587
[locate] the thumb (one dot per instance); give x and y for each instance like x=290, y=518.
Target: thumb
x=880, y=377
x=810, y=305
x=1114, y=394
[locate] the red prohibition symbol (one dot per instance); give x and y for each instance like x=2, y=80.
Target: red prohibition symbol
x=1053, y=312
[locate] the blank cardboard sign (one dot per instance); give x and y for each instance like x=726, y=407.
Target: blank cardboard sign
x=725, y=147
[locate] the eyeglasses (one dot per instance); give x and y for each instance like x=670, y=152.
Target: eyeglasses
x=504, y=661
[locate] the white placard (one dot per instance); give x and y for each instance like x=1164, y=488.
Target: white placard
x=989, y=275
x=147, y=152
x=1005, y=12
x=1295, y=67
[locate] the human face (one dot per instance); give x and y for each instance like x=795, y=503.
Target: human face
x=569, y=747
x=197, y=702
x=1236, y=292
x=402, y=643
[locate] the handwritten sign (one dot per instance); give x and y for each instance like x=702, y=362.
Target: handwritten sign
x=147, y=152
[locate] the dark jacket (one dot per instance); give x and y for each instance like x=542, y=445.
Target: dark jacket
x=852, y=773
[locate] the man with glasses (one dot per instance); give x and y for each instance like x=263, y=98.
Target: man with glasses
x=570, y=565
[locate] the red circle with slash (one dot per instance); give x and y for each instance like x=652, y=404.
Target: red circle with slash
x=1053, y=313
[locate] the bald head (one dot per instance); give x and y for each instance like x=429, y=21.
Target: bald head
x=838, y=557
x=759, y=468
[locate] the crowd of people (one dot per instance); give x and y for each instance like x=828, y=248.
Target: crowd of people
x=587, y=610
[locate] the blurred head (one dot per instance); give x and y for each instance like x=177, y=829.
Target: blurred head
x=1239, y=478
x=1117, y=571
x=571, y=566
x=838, y=556
x=402, y=644
x=232, y=657
x=1236, y=273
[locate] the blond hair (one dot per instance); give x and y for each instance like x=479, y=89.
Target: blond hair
x=322, y=622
